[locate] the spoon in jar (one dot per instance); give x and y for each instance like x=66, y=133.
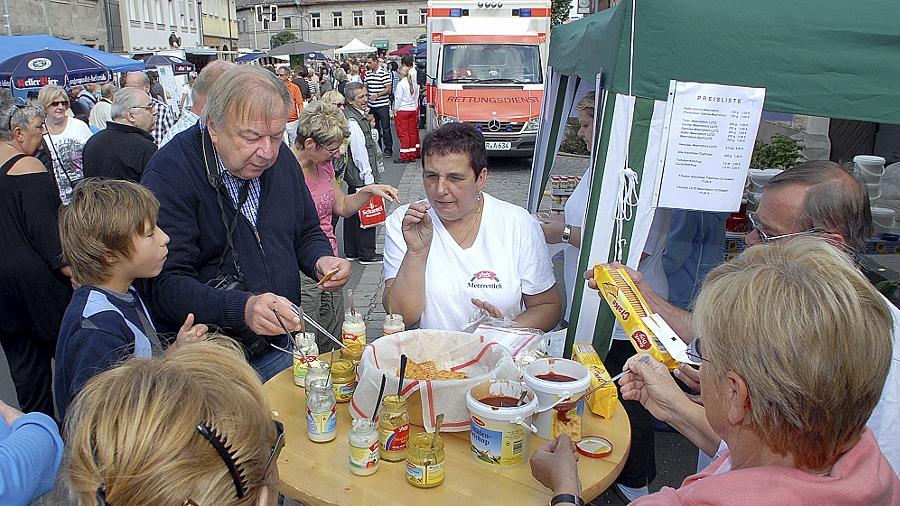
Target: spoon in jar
x=437, y=428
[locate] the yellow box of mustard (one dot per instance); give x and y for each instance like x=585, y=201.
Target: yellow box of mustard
x=619, y=291
x=603, y=401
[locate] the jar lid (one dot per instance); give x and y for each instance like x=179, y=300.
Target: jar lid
x=595, y=447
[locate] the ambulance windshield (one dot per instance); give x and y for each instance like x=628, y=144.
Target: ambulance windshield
x=497, y=63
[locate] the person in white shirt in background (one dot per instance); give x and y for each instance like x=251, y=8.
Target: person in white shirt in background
x=199, y=93
x=406, y=105
x=102, y=112
x=187, y=94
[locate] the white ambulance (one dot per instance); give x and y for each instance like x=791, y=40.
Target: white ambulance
x=486, y=66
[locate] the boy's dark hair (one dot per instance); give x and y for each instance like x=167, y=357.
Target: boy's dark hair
x=460, y=138
x=407, y=60
x=98, y=227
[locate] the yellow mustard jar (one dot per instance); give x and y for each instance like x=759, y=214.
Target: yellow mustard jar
x=425, y=460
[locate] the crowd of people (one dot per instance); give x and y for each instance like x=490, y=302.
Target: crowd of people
x=158, y=257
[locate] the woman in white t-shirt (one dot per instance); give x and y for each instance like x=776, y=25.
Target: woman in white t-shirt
x=462, y=249
x=65, y=138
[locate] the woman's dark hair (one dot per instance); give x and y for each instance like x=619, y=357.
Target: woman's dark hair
x=460, y=138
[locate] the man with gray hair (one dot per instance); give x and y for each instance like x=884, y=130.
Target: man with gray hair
x=165, y=118
x=101, y=113
x=241, y=221
x=202, y=84
x=125, y=146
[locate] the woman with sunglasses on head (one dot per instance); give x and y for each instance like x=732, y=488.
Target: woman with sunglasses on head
x=175, y=430
x=34, y=281
x=322, y=131
x=65, y=138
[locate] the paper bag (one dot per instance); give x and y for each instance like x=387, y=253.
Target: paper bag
x=373, y=213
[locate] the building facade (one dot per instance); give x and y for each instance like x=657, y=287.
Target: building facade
x=220, y=27
x=78, y=21
x=148, y=25
x=386, y=25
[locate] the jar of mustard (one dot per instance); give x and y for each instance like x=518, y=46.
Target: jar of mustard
x=393, y=428
x=343, y=377
x=425, y=460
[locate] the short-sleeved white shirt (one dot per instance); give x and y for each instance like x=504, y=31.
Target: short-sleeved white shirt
x=885, y=419
x=509, y=258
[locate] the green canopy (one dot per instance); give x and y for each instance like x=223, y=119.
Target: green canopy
x=822, y=58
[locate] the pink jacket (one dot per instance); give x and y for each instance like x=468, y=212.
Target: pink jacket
x=862, y=476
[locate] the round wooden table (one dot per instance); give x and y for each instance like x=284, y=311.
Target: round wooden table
x=319, y=473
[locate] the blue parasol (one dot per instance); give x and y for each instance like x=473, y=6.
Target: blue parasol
x=179, y=65
x=51, y=66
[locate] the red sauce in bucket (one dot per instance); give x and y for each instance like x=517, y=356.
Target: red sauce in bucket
x=500, y=401
x=552, y=376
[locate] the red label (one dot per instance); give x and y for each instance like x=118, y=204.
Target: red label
x=477, y=421
x=373, y=213
x=641, y=340
x=397, y=441
x=437, y=37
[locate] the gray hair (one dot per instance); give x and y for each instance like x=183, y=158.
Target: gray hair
x=350, y=90
x=126, y=99
x=231, y=96
x=836, y=201
x=209, y=75
x=12, y=116
x=339, y=74
x=145, y=80
x=108, y=90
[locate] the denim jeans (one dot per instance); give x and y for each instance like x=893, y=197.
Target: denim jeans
x=273, y=362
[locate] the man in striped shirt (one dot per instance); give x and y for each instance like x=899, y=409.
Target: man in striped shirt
x=378, y=85
x=165, y=118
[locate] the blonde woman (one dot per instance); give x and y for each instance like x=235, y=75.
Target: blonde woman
x=65, y=138
x=354, y=76
x=406, y=103
x=321, y=133
x=175, y=430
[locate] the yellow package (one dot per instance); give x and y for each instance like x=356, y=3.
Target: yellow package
x=603, y=401
x=629, y=306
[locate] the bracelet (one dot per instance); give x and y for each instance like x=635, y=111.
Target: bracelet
x=566, y=234
x=566, y=499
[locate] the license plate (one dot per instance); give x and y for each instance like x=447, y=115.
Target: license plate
x=498, y=146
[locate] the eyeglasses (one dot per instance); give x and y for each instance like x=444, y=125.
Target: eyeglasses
x=334, y=152
x=340, y=104
x=58, y=103
x=148, y=107
x=765, y=238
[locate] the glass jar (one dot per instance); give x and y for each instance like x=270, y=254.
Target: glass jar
x=353, y=335
x=425, y=460
x=321, y=412
x=364, y=448
x=393, y=323
x=343, y=376
x=393, y=428
x=318, y=370
x=305, y=351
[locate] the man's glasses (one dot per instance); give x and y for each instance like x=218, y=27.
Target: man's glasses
x=334, y=152
x=765, y=238
x=58, y=103
x=148, y=107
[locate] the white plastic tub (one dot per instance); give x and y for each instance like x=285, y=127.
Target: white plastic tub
x=500, y=435
x=870, y=168
x=549, y=392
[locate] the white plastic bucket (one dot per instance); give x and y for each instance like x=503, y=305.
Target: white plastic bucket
x=500, y=435
x=870, y=168
x=884, y=219
x=550, y=392
x=874, y=190
x=760, y=177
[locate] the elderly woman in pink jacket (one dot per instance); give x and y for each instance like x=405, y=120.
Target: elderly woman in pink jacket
x=795, y=348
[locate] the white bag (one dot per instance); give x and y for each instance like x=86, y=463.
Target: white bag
x=449, y=350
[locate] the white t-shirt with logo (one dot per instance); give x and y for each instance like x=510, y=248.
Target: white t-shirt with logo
x=509, y=258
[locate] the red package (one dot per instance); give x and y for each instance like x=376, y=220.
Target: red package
x=373, y=213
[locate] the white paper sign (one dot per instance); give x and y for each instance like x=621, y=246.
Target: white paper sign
x=171, y=89
x=709, y=134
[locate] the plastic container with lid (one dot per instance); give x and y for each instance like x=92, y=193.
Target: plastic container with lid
x=552, y=379
x=364, y=448
x=343, y=376
x=870, y=168
x=425, y=460
x=393, y=428
x=501, y=428
x=321, y=411
x=884, y=219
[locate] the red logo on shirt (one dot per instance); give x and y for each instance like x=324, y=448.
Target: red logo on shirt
x=485, y=279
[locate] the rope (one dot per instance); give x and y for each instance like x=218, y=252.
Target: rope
x=628, y=201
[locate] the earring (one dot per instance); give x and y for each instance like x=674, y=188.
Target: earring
x=478, y=197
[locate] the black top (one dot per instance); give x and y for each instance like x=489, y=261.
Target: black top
x=118, y=151
x=33, y=293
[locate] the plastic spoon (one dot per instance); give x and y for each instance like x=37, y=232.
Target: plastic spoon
x=380, y=394
x=402, y=373
x=437, y=428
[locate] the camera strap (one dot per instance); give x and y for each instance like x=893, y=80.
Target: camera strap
x=214, y=177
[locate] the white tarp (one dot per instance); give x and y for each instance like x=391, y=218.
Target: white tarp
x=356, y=46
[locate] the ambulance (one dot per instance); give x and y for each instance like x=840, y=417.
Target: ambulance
x=486, y=66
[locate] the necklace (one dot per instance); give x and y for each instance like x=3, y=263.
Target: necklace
x=474, y=221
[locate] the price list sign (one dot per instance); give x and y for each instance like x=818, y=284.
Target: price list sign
x=708, y=135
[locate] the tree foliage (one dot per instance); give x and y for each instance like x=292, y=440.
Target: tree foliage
x=283, y=37
x=559, y=11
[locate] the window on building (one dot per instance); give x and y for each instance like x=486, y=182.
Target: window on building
x=379, y=18
x=423, y=13
x=316, y=20
x=402, y=17
x=147, y=14
x=135, y=10
x=357, y=18
x=157, y=6
x=173, y=17
x=337, y=19
x=287, y=22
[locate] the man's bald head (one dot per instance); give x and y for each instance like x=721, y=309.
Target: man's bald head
x=137, y=79
x=204, y=82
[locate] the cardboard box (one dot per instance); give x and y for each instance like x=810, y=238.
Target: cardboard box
x=603, y=401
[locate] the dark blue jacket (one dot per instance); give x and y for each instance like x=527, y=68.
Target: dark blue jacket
x=98, y=331
x=290, y=239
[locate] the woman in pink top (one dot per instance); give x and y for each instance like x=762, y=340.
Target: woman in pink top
x=321, y=130
x=796, y=349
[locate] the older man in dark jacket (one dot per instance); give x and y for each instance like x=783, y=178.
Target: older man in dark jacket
x=125, y=146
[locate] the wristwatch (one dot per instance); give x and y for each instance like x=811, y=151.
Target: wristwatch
x=566, y=234
x=566, y=499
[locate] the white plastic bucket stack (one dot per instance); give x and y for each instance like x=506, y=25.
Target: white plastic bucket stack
x=759, y=178
x=884, y=219
x=870, y=168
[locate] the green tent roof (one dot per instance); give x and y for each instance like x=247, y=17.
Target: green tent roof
x=827, y=58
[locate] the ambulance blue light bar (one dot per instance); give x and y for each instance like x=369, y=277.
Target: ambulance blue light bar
x=522, y=13
x=457, y=13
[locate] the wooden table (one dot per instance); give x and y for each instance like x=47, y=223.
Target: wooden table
x=319, y=474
